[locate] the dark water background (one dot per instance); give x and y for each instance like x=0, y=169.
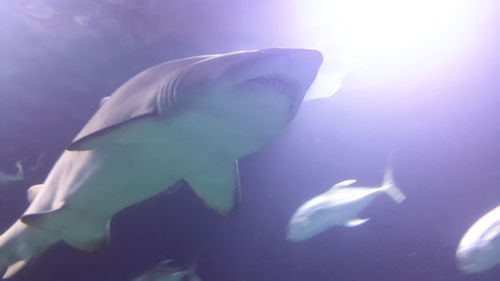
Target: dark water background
x=444, y=125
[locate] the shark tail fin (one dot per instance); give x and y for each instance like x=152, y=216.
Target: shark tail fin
x=19, y=245
x=390, y=187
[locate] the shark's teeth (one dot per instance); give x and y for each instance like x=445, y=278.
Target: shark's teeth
x=278, y=83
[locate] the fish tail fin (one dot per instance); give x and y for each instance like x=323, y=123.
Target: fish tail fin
x=390, y=187
x=20, y=170
x=193, y=267
x=20, y=244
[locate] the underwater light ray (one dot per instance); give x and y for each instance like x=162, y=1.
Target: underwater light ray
x=353, y=33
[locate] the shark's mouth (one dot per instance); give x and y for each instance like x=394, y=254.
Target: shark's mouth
x=276, y=83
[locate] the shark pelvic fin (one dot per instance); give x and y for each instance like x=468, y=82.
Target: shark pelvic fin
x=42, y=220
x=33, y=191
x=110, y=135
x=217, y=186
x=14, y=268
x=88, y=235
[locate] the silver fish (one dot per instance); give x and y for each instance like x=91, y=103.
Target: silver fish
x=339, y=206
x=479, y=249
x=8, y=178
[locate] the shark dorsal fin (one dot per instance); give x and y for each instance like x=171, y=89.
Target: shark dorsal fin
x=343, y=184
x=217, y=186
x=137, y=99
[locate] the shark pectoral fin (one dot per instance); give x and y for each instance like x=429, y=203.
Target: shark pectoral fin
x=14, y=268
x=217, y=186
x=43, y=220
x=33, y=191
x=356, y=222
x=125, y=132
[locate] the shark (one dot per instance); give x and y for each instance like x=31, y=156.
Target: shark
x=187, y=120
x=338, y=206
x=9, y=178
x=479, y=248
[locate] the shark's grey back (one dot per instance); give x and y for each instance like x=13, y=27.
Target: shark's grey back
x=139, y=97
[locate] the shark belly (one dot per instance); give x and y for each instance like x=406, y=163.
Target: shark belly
x=104, y=181
x=86, y=188
x=81, y=194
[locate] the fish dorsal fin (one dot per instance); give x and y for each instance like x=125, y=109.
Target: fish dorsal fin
x=33, y=191
x=343, y=184
x=103, y=101
x=165, y=262
x=356, y=222
x=217, y=186
x=87, y=235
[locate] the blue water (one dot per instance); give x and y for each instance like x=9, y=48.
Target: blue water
x=443, y=126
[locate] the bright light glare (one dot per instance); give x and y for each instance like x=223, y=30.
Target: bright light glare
x=358, y=31
x=372, y=26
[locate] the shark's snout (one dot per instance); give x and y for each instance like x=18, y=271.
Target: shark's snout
x=304, y=57
x=288, y=72
x=297, y=65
